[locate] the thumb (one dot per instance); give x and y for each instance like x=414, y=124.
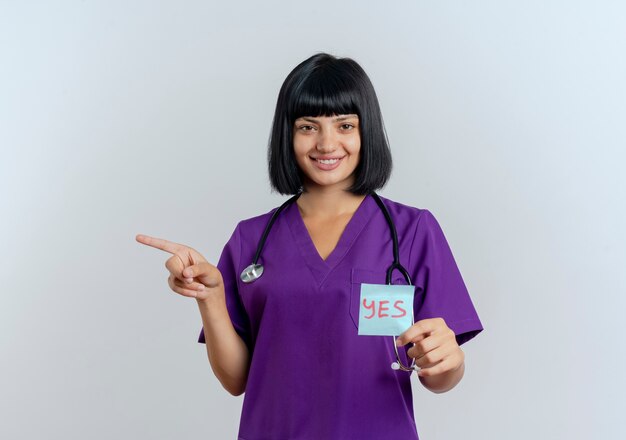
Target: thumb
x=205, y=273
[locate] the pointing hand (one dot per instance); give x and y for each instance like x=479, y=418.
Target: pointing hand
x=190, y=273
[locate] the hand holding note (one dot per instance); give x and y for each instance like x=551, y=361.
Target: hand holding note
x=435, y=348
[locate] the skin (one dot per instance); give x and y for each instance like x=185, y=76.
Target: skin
x=326, y=207
x=191, y=275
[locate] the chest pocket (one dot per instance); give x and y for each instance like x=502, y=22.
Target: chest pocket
x=360, y=276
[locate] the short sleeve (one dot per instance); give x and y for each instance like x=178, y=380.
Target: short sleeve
x=440, y=289
x=227, y=265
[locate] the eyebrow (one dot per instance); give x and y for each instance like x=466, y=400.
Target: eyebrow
x=337, y=119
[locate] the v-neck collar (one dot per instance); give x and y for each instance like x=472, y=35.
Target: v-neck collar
x=302, y=239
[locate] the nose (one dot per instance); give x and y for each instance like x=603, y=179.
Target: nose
x=326, y=141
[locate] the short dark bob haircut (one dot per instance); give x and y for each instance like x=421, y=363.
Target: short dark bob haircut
x=325, y=85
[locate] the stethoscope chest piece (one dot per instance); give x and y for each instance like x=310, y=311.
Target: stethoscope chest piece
x=251, y=273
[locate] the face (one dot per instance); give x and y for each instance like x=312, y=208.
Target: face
x=327, y=149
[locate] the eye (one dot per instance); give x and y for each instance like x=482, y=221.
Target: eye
x=347, y=126
x=305, y=127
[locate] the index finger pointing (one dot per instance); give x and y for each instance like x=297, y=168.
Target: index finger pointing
x=159, y=243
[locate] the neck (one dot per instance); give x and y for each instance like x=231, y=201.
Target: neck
x=327, y=202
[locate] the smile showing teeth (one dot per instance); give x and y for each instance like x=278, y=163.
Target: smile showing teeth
x=328, y=161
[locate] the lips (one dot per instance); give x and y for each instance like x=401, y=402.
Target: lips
x=335, y=162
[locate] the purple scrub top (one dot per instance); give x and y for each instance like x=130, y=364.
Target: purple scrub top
x=311, y=375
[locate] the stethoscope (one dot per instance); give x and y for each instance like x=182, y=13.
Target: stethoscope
x=255, y=270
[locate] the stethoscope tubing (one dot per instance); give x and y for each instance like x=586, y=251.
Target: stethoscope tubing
x=269, y=226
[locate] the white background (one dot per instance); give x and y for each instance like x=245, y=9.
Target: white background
x=506, y=120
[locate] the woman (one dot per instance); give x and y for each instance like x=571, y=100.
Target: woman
x=290, y=338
